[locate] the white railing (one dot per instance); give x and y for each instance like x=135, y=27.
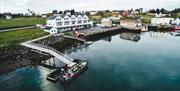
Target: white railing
x=49, y=50
x=52, y=49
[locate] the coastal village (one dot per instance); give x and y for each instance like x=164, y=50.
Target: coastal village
x=35, y=36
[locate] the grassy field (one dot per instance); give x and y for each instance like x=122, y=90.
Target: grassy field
x=146, y=18
x=15, y=37
x=20, y=22
x=95, y=18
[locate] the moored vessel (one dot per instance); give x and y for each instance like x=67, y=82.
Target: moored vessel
x=68, y=72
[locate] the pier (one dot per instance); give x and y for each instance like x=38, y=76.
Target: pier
x=46, y=49
x=89, y=32
x=76, y=38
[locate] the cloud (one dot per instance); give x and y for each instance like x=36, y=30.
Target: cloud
x=43, y=6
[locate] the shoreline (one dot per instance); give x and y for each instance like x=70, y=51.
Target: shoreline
x=20, y=56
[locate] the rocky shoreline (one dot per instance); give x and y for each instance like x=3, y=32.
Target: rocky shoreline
x=17, y=56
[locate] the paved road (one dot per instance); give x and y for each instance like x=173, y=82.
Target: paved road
x=6, y=30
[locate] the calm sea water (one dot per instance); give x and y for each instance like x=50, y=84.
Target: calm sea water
x=123, y=62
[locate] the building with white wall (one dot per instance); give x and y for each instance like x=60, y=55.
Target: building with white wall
x=60, y=23
x=177, y=21
x=8, y=17
x=106, y=22
x=162, y=21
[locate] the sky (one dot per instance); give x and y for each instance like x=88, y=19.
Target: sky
x=45, y=6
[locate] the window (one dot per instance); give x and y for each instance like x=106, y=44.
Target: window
x=58, y=19
x=66, y=23
x=85, y=21
x=85, y=17
x=59, y=24
x=66, y=18
x=79, y=22
x=73, y=22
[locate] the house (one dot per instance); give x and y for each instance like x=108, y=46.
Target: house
x=93, y=12
x=106, y=22
x=44, y=15
x=177, y=21
x=130, y=22
x=114, y=14
x=161, y=15
x=8, y=17
x=162, y=21
x=62, y=22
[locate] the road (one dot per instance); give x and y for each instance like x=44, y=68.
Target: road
x=6, y=30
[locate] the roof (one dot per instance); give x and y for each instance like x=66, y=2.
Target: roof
x=137, y=17
x=48, y=28
x=63, y=15
x=51, y=17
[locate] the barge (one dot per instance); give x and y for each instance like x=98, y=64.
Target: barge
x=68, y=71
x=152, y=27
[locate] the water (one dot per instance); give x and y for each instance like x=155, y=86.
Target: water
x=151, y=63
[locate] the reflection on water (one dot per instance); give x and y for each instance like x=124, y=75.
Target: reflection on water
x=151, y=63
x=130, y=36
x=108, y=39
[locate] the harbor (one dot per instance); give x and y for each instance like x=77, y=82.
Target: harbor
x=94, y=45
x=109, y=61
x=44, y=49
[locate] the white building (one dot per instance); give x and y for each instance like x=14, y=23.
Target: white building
x=106, y=22
x=177, y=21
x=44, y=16
x=162, y=21
x=161, y=15
x=8, y=17
x=59, y=23
x=93, y=12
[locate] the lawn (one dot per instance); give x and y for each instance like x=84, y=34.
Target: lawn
x=95, y=17
x=146, y=18
x=18, y=36
x=20, y=22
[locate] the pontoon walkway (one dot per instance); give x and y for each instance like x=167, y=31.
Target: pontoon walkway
x=49, y=50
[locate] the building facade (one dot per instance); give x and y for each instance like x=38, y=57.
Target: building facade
x=106, y=22
x=60, y=23
x=162, y=21
x=130, y=23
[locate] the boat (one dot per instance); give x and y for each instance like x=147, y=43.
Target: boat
x=176, y=28
x=89, y=43
x=68, y=72
x=152, y=27
x=176, y=33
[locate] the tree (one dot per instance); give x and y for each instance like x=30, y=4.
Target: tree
x=54, y=11
x=157, y=11
x=152, y=11
x=72, y=11
x=87, y=13
x=163, y=11
x=141, y=10
x=60, y=12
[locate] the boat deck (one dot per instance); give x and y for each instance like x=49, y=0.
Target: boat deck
x=58, y=74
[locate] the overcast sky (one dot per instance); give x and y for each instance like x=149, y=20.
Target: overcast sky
x=44, y=6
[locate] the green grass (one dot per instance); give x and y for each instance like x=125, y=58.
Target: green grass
x=18, y=36
x=20, y=22
x=68, y=33
x=146, y=18
x=99, y=17
x=95, y=17
x=177, y=15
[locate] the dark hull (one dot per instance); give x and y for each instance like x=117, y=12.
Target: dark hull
x=152, y=28
x=56, y=75
x=73, y=77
